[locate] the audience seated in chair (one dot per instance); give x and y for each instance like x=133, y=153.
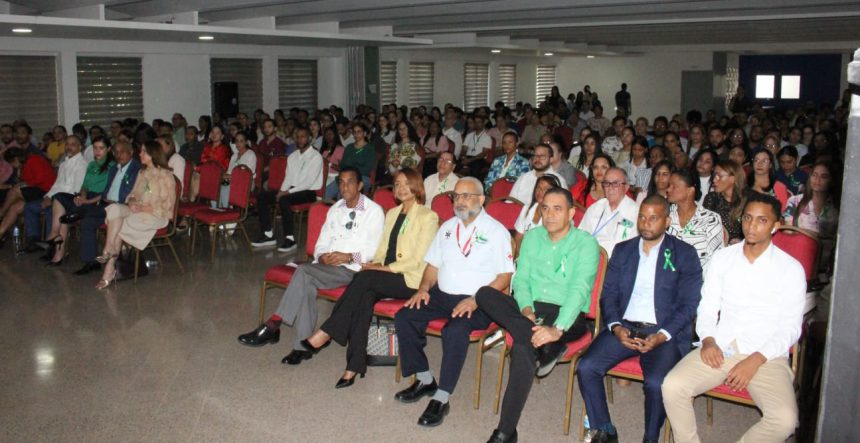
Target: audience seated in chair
x=360, y=154
x=349, y=237
x=612, y=219
x=530, y=216
x=36, y=178
x=511, y=165
x=525, y=185
x=540, y=318
x=690, y=221
x=444, y=180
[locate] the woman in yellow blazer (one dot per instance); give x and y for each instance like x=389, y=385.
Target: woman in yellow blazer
x=395, y=272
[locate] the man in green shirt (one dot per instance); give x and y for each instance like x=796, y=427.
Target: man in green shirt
x=552, y=291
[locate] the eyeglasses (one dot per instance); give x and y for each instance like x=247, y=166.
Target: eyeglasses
x=721, y=176
x=463, y=196
x=762, y=161
x=611, y=185
x=351, y=223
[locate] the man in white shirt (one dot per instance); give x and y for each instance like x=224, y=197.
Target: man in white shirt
x=344, y=131
x=598, y=122
x=612, y=219
x=750, y=315
x=524, y=187
x=612, y=144
x=303, y=178
x=443, y=180
x=470, y=251
x=349, y=237
x=452, y=133
x=476, y=146
x=70, y=177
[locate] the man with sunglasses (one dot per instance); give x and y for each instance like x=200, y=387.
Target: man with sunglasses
x=470, y=251
x=349, y=237
x=612, y=219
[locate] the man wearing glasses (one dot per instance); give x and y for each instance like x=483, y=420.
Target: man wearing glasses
x=612, y=219
x=470, y=251
x=349, y=237
x=525, y=185
x=443, y=180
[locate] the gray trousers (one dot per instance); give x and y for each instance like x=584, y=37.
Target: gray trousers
x=298, y=307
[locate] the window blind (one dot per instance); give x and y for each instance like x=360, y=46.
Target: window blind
x=28, y=85
x=508, y=84
x=476, y=85
x=387, y=82
x=420, y=84
x=297, y=84
x=545, y=82
x=109, y=88
x=248, y=73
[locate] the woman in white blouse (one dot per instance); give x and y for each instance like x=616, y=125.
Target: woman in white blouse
x=243, y=156
x=689, y=220
x=705, y=162
x=529, y=217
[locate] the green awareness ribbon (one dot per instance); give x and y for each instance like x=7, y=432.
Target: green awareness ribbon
x=667, y=262
x=403, y=226
x=561, y=267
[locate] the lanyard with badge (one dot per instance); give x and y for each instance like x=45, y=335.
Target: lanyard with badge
x=599, y=226
x=466, y=249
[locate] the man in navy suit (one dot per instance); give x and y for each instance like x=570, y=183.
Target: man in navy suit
x=121, y=178
x=650, y=295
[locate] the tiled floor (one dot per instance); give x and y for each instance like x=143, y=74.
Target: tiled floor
x=159, y=361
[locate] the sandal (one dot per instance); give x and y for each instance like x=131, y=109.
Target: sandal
x=104, y=258
x=102, y=284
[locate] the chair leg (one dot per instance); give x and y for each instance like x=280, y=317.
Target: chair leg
x=136, y=263
x=396, y=369
x=193, y=227
x=500, y=375
x=263, y=301
x=213, y=238
x=175, y=255
x=609, y=395
x=478, y=368
x=568, y=401
x=155, y=250
x=710, y=408
x=245, y=233
x=581, y=424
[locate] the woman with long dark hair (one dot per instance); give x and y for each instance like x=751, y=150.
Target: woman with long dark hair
x=728, y=198
x=332, y=151
x=817, y=208
x=590, y=149
x=659, y=183
x=593, y=189
x=762, y=178
x=704, y=162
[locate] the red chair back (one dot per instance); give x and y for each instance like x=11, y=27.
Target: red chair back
x=258, y=172
x=800, y=244
x=505, y=211
x=443, y=206
x=277, y=172
x=240, y=187
x=501, y=188
x=597, y=288
x=316, y=219
x=186, y=180
x=384, y=197
x=321, y=190
x=210, y=180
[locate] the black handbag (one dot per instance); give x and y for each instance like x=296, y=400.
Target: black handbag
x=125, y=265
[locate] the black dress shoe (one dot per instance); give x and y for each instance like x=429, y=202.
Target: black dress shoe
x=645, y=440
x=416, y=391
x=296, y=357
x=87, y=268
x=548, y=359
x=434, y=414
x=310, y=348
x=263, y=335
x=604, y=437
x=347, y=382
x=500, y=437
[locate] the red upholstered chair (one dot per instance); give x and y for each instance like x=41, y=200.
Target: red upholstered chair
x=163, y=235
x=280, y=275
x=384, y=196
x=435, y=327
x=368, y=187
x=277, y=172
x=802, y=245
x=505, y=210
x=186, y=180
x=240, y=199
x=501, y=188
x=210, y=189
x=575, y=348
x=443, y=206
x=258, y=173
x=300, y=210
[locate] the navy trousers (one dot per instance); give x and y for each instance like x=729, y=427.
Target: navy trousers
x=603, y=355
x=411, y=324
x=94, y=216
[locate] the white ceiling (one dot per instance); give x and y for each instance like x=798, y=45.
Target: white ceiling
x=575, y=26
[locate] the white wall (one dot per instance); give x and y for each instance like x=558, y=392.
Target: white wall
x=654, y=79
x=176, y=75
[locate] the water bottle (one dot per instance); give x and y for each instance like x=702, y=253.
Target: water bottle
x=16, y=239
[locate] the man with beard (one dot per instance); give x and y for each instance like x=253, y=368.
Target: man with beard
x=525, y=185
x=648, y=302
x=470, y=251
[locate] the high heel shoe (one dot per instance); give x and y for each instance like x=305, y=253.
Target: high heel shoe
x=311, y=347
x=54, y=264
x=102, y=284
x=347, y=382
x=104, y=258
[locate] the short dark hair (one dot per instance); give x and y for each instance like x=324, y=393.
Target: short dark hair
x=545, y=146
x=563, y=192
x=758, y=197
x=789, y=150
x=657, y=200
x=352, y=169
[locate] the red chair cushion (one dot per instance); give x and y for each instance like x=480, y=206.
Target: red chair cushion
x=388, y=307
x=300, y=207
x=726, y=390
x=281, y=274
x=501, y=188
x=332, y=294
x=212, y=216
x=443, y=207
x=630, y=366
x=506, y=212
x=162, y=232
x=435, y=328
x=187, y=209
